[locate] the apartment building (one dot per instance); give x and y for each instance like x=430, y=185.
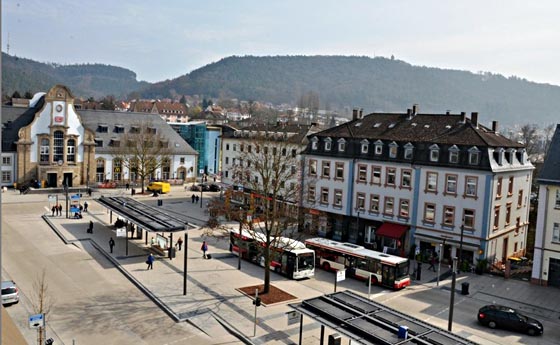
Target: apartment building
x=397, y=181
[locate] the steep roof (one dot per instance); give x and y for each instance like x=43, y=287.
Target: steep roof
x=13, y=118
x=550, y=172
x=434, y=128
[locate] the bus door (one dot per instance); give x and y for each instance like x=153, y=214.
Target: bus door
x=388, y=276
x=290, y=265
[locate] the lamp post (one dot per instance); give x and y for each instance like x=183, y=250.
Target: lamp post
x=358, y=222
x=439, y=262
x=239, y=240
x=185, y=260
x=461, y=247
x=66, y=195
x=452, y=298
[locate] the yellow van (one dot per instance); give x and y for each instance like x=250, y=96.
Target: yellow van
x=160, y=187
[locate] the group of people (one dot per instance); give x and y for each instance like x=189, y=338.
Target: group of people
x=195, y=198
x=56, y=210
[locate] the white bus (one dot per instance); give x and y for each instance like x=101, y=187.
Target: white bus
x=361, y=263
x=288, y=256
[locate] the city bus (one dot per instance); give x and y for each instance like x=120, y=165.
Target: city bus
x=288, y=256
x=360, y=263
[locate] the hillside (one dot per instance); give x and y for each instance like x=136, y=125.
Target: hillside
x=87, y=80
x=376, y=84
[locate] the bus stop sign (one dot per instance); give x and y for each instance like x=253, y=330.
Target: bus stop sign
x=36, y=321
x=340, y=275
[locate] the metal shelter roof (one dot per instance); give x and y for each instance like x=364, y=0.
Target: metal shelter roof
x=145, y=216
x=368, y=322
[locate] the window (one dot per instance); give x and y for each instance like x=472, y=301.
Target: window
x=448, y=215
x=227, y=160
x=473, y=156
x=378, y=147
x=324, y=195
x=362, y=173
x=314, y=143
x=499, y=188
x=234, y=147
x=471, y=183
x=151, y=130
x=294, y=152
x=58, y=147
x=393, y=150
x=71, y=150
x=102, y=129
x=468, y=219
x=119, y=129
x=451, y=184
x=376, y=175
x=227, y=147
x=408, y=149
x=100, y=170
x=6, y=176
x=510, y=186
x=520, y=198
x=360, y=201
x=434, y=153
x=241, y=147
x=117, y=169
x=406, y=178
x=557, y=202
x=429, y=212
x=496, y=217
x=556, y=232
x=44, y=150
x=404, y=208
x=365, y=146
x=389, y=205
x=341, y=145
x=374, y=203
x=134, y=129
x=338, y=197
x=328, y=144
x=6, y=160
x=339, y=171
x=182, y=160
x=312, y=167
x=454, y=154
x=98, y=142
x=311, y=194
x=326, y=169
x=508, y=213
x=517, y=225
x=391, y=176
x=431, y=182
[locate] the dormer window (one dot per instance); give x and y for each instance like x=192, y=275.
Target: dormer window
x=408, y=150
x=474, y=155
x=510, y=155
x=378, y=147
x=328, y=144
x=393, y=149
x=134, y=129
x=102, y=128
x=365, y=146
x=500, y=155
x=341, y=145
x=434, y=153
x=454, y=154
x=314, y=143
x=119, y=129
x=522, y=156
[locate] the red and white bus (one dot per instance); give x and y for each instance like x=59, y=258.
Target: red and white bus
x=288, y=256
x=361, y=263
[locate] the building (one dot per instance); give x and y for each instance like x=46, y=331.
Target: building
x=546, y=259
x=400, y=181
x=169, y=111
x=52, y=144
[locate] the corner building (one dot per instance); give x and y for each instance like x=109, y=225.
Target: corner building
x=408, y=182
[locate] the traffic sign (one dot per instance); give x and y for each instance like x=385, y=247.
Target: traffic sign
x=340, y=275
x=37, y=320
x=293, y=317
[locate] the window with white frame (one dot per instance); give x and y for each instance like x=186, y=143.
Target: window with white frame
x=374, y=203
x=499, y=187
x=314, y=143
x=6, y=160
x=58, y=146
x=326, y=169
x=234, y=147
x=378, y=147
x=311, y=194
x=557, y=200
x=454, y=154
x=451, y=184
x=370, y=235
x=361, y=201
x=182, y=160
x=448, y=215
x=510, y=186
x=508, y=213
x=364, y=146
x=474, y=154
x=376, y=175
x=404, y=208
x=362, y=173
x=431, y=182
x=341, y=145
x=391, y=177
x=408, y=150
x=328, y=144
x=312, y=167
x=471, y=185
x=406, y=176
x=44, y=150
x=339, y=171
x=434, y=153
x=324, y=195
x=389, y=205
x=6, y=176
x=71, y=150
x=468, y=218
x=338, y=197
x=556, y=232
x=520, y=198
x=393, y=148
x=496, y=217
x=429, y=212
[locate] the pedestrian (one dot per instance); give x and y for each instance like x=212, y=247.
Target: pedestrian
x=127, y=186
x=197, y=199
x=54, y=209
x=179, y=243
x=150, y=262
x=432, y=263
x=111, y=244
x=193, y=198
x=204, y=249
x=85, y=206
x=60, y=210
x=90, y=228
x=81, y=208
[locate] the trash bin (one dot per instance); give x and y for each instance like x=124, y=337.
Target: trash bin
x=171, y=252
x=402, y=332
x=335, y=339
x=133, y=191
x=464, y=288
x=419, y=271
x=160, y=202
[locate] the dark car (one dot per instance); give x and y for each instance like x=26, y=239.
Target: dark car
x=495, y=316
x=214, y=188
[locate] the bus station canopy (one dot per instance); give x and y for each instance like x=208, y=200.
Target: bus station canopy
x=147, y=217
x=368, y=322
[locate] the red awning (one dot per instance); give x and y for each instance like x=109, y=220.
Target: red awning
x=391, y=230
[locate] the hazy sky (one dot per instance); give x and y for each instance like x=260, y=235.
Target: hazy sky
x=165, y=39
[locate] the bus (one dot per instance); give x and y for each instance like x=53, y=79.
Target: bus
x=360, y=263
x=288, y=256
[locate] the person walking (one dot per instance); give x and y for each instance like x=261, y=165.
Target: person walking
x=111, y=244
x=90, y=228
x=85, y=206
x=432, y=263
x=193, y=198
x=197, y=199
x=150, y=261
x=127, y=186
x=54, y=209
x=59, y=210
x=204, y=249
x=179, y=243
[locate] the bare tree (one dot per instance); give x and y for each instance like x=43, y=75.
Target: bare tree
x=528, y=134
x=142, y=152
x=41, y=301
x=548, y=132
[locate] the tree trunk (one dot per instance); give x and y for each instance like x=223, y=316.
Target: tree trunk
x=266, y=270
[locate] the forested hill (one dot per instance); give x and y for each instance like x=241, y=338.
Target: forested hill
x=376, y=84
x=84, y=80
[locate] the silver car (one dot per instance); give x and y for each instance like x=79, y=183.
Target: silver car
x=10, y=293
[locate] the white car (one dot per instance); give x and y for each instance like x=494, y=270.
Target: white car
x=10, y=293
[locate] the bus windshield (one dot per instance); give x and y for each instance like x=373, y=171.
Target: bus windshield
x=305, y=261
x=402, y=270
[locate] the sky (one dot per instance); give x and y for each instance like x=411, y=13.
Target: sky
x=161, y=40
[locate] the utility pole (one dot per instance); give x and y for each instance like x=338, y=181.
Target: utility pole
x=452, y=299
x=239, y=240
x=185, y=261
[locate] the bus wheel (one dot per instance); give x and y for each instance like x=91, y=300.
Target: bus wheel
x=326, y=266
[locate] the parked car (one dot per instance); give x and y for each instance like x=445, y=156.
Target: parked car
x=10, y=293
x=499, y=316
x=214, y=188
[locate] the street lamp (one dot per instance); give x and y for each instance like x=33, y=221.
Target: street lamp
x=461, y=247
x=239, y=240
x=452, y=298
x=439, y=262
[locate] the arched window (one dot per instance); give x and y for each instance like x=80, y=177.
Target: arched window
x=45, y=149
x=117, y=169
x=100, y=170
x=165, y=168
x=58, y=147
x=71, y=150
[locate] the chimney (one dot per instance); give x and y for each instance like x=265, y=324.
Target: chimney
x=415, y=109
x=447, y=112
x=408, y=114
x=463, y=117
x=495, y=126
x=474, y=119
x=354, y=114
x=361, y=116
